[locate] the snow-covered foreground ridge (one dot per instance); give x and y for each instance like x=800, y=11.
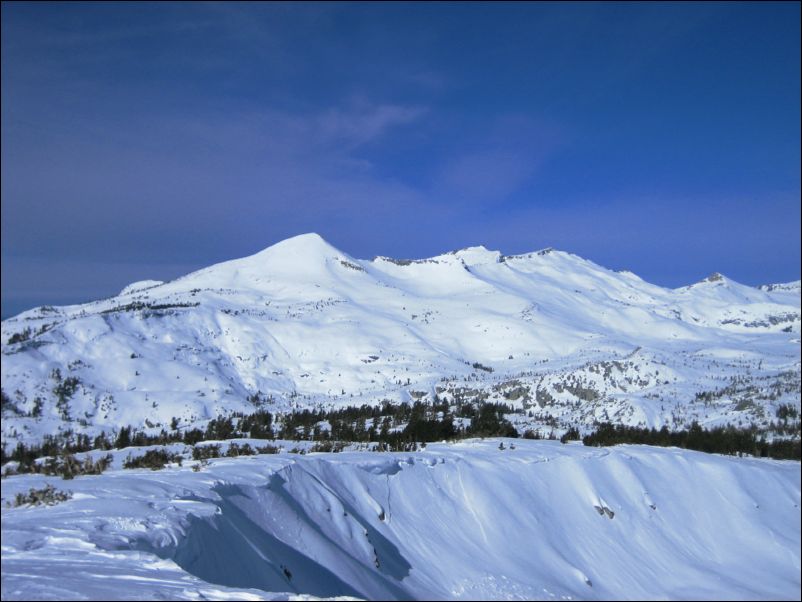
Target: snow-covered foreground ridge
x=461, y=521
x=302, y=323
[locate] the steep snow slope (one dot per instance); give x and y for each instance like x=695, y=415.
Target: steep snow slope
x=303, y=323
x=463, y=521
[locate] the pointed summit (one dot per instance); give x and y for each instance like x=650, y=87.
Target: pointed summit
x=305, y=253
x=305, y=256
x=714, y=277
x=305, y=249
x=310, y=243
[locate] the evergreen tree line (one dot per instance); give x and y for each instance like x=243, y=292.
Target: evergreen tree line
x=423, y=422
x=392, y=427
x=718, y=440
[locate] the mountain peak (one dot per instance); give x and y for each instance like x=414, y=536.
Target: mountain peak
x=307, y=238
x=476, y=255
x=794, y=286
x=716, y=278
x=474, y=248
x=306, y=254
x=309, y=241
x=303, y=246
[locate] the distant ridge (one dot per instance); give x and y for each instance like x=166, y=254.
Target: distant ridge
x=306, y=325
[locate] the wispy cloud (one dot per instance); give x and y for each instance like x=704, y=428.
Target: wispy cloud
x=227, y=177
x=499, y=161
x=486, y=176
x=364, y=123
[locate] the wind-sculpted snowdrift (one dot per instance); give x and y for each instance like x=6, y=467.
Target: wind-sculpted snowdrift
x=461, y=521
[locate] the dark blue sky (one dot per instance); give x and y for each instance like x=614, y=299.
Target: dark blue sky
x=146, y=140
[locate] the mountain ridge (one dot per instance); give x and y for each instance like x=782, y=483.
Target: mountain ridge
x=305, y=324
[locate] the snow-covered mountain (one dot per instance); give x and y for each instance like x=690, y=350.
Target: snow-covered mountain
x=791, y=287
x=302, y=323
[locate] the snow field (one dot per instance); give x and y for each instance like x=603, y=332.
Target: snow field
x=456, y=521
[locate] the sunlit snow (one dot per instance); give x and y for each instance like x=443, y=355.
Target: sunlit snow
x=541, y=521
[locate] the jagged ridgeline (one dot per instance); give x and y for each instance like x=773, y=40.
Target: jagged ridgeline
x=556, y=341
